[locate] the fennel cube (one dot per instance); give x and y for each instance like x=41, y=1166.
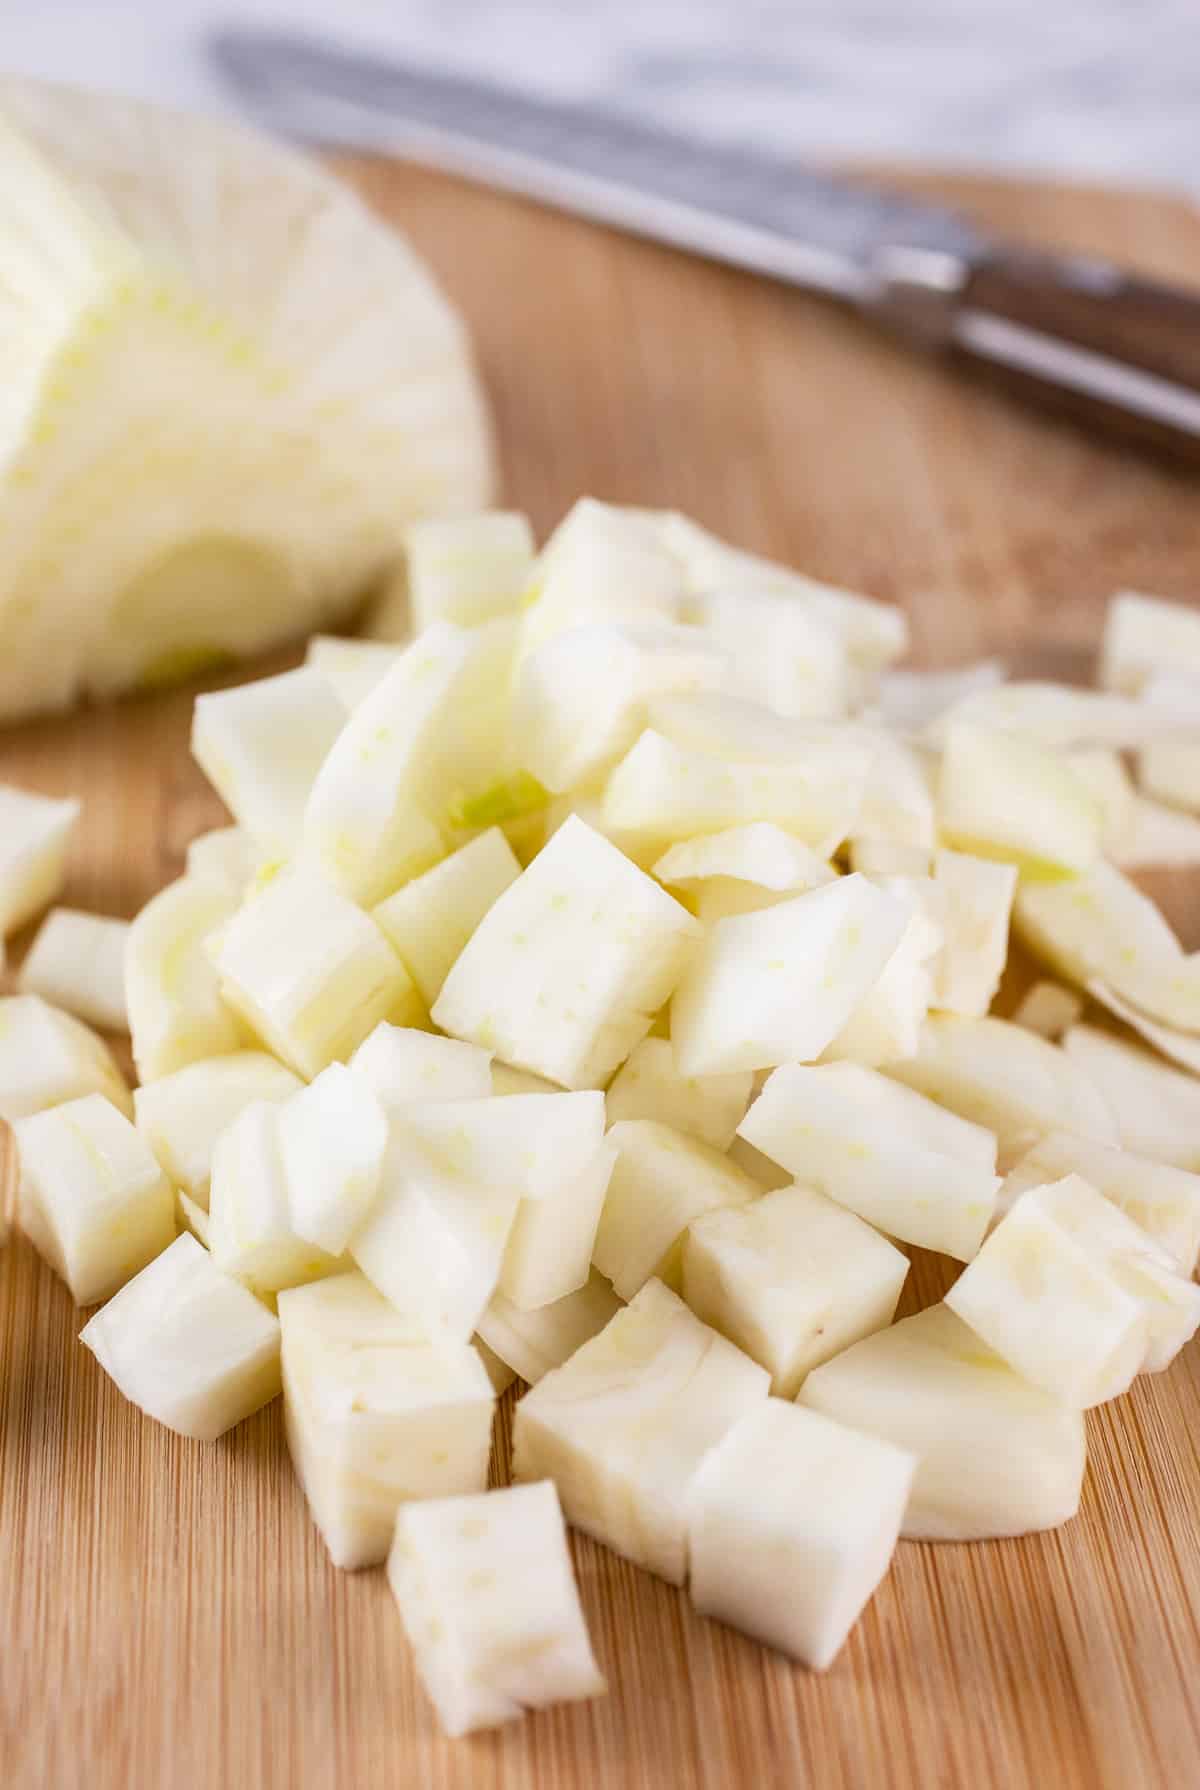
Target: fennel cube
x=378, y=1411
x=995, y=1455
x=488, y=1601
x=549, y=1249
x=783, y=656
x=182, y=1115
x=47, y=1057
x=468, y=569
x=1170, y=771
x=778, y=986
x=565, y=972
x=433, y=1242
x=261, y=745
x=663, y=791
x=1102, y=926
x=975, y=898
x=1006, y=1078
x=188, y=1345
x=224, y=855
x=173, y=997
x=352, y=667
x=530, y=1343
x=792, y=1279
x=1164, y=1201
x=332, y=1136
x=886, y=1022
x=429, y=735
x=430, y=919
x=648, y=1086
x=403, y=1065
x=896, y=1159
x=662, y=1180
x=1042, y=1294
x=742, y=869
x=601, y=564
x=1155, y=1109
x=622, y=1426
x=579, y=701
x=91, y=1196
x=792, y=1523
x=77, y=961
x=1145, y=636
x=311, y=973
x=252, y=1231
x=35, y=832
x=1003, y=796
x=481, y=1192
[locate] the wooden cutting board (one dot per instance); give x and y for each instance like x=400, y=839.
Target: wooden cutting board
x=168, y=1619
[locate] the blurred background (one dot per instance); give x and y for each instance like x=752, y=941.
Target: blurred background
x=1092, y=89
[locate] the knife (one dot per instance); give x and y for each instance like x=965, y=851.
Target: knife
x=1103, y=345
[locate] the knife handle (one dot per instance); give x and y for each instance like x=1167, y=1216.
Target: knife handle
x=1114, y=352
x=1109, y=349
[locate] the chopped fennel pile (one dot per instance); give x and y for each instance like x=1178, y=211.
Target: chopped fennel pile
x=596, y=993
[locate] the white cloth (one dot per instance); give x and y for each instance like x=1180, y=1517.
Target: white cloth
x=1105, y=89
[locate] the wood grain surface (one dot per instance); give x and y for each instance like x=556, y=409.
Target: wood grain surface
x=167, y=1614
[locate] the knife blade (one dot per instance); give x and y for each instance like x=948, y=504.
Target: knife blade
x=1101, y=344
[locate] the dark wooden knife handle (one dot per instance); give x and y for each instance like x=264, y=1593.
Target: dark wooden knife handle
x=1095, y=306
x=1111, y=350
